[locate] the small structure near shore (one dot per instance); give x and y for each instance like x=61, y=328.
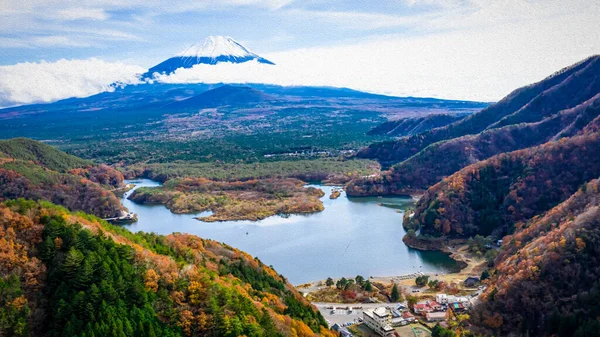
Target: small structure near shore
x=124, y=218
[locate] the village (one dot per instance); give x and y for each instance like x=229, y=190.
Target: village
x=406, y=318
x=405, y=306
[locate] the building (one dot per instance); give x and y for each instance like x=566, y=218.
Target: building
x=435, y=306
x=435, y=316
x=379, y=320
x=471, y=281
x=458, y=307
x=448, y=299
x=342, y=330
x=421, y=308
x=441, y=298
x=398, y=321
x=408, y=316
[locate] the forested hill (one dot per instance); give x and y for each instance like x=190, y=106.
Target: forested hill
x=492, y=195
x=566, y=88
x=42, y=154
x=414, y=125
x=547, y=278
x=442, y=159
x=34, y=170
x=559, y=106
x=66, y=274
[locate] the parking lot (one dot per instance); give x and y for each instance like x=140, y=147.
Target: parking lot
x=344, y=313
x=341, y=315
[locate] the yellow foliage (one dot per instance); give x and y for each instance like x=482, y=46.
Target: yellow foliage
x=151, y=280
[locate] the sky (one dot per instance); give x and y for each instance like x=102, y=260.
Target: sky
x=455, y=49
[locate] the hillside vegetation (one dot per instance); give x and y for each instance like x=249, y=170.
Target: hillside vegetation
x=564, y=89
x=494, y=194
x=414, y=125
x=41, y=154
x=34, y=170
x=327, y=170
x=238, y=200
x=442, y=159
x=547, y=274
x=65, y=274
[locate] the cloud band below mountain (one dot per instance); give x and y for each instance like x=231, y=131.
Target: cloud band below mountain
x=24, y=83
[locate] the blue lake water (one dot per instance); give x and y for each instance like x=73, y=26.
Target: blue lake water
x=351, y=236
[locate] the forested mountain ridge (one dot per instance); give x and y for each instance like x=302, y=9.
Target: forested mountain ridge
x=414, y=125
x=532, y=97
x=547, y=274
x=442, y=159
x=41, y=154
x=34, y=170
x=223, y=95
x=67, y=274
x=491, y=196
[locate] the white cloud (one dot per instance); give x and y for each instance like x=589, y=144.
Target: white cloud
x=483, y=65
x=463, y=49
x=79, y=13
x=480, y=50
x=362, y=20
x=50, y=81
x=57, y=40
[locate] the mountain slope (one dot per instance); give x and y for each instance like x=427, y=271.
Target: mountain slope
x=213, y=50
x=442, y=159
x=222, y=96
x=74, y=275
x=34, y=170
x=572, y=85
x=414, y=125
x=547, y=274
x=42, y=154
x=493, y=195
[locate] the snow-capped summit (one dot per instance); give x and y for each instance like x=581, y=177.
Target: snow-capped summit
x=213, y=50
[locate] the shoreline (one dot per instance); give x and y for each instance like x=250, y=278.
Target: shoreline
x=469, y=266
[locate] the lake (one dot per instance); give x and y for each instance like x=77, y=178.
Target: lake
x=356, y=236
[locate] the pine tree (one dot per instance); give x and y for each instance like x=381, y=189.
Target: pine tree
x=84, y=275
x=47, y=250
x=395, y=295
x=368, y=286
x=72, y=262
x=151, y=332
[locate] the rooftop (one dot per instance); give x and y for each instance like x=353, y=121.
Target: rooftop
x=435, y=314
x=381, y=312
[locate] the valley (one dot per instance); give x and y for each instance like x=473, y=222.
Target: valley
x=328, y=243
x=151, y=124
x=442, y=217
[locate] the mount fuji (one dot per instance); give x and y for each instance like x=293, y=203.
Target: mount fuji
x=213, y=50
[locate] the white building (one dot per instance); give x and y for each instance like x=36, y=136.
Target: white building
x=379, y=320
x=447, y=299
x=435, y=316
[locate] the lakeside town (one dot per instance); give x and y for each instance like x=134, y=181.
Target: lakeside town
x=412, y=305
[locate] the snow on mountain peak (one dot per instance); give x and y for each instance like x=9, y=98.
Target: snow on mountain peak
x=213, y=50
x=215, y=46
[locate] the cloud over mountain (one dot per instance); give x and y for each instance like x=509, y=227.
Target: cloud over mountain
x=50, y=81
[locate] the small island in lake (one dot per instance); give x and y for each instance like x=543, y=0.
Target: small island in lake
x=335, y=193
x=253, y=199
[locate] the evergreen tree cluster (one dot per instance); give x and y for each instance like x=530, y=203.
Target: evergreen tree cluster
x=93, y=286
